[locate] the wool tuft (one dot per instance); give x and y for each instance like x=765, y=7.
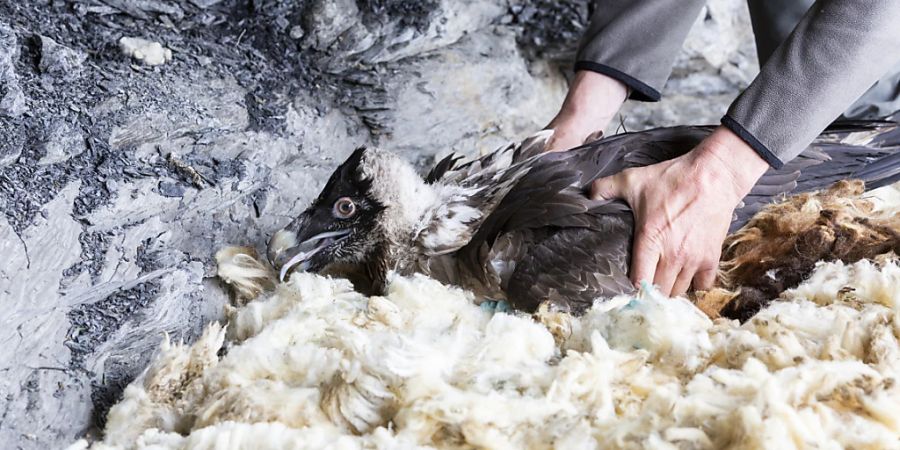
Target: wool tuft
x=241, y=268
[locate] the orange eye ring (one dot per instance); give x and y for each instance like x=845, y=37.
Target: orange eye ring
x=344, y=208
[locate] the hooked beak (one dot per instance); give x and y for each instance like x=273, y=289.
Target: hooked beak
x=285, y=254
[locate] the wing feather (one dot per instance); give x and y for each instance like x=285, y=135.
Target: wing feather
x=574, y=267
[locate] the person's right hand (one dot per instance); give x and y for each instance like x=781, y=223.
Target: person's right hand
x=590, y=105
x=683, y=208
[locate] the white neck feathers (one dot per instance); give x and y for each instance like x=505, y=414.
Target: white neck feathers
x=397, y=186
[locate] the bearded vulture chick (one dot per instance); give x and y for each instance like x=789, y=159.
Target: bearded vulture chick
x=517, y=225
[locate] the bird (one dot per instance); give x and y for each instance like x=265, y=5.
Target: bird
x=518, y=224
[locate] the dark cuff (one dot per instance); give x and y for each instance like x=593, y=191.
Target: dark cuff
x=754, y=143
x=639, y=90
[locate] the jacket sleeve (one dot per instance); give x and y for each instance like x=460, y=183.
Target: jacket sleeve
x=838, y=50
x=636, y=41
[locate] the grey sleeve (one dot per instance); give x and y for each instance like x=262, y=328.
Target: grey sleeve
x=839, y=50
x=636, y=41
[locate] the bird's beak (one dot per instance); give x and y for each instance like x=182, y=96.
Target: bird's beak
x=286, y=254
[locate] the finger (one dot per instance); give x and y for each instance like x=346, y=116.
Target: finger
x=666, y=272
x=607, y=188
x=705, y=278
x=683, y=281
x=644, y=257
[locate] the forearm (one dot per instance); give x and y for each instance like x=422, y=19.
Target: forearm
x=839, y=49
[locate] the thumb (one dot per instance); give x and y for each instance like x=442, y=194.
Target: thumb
x=607, y=188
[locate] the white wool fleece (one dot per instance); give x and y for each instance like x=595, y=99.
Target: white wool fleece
x=315, y=365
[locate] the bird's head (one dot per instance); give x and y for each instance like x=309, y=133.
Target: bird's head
x=372, y=201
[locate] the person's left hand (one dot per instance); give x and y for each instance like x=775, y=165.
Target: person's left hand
x=683, y=208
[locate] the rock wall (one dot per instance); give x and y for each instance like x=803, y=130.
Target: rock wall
x=119, y=179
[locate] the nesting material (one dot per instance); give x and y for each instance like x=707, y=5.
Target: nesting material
x=781, y=245
x=242, y=269
x=148, y=52
x=314, y=364
x=837, y=224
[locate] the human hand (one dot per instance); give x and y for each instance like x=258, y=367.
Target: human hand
x=683, y=208
x=591, y=103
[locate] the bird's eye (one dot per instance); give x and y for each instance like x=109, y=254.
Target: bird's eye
x=344, y=208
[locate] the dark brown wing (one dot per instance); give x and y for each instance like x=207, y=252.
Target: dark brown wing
x=573, y=267
x=859, y=149
x=548, y=195
x=552, y=192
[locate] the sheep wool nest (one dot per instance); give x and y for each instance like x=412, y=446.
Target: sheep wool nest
x=313, y=364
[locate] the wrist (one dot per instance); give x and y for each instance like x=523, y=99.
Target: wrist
x=592, y=101
x=733, y=158
x=595, y=94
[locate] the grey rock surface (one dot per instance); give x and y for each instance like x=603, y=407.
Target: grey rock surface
x=118, y=182
x=59, y=60
x=12, y=98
